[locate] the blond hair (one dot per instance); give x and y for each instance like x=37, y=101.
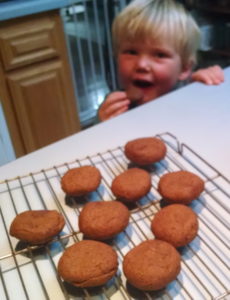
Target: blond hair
x=157, y=20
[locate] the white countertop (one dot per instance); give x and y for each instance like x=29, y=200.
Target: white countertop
x=197, y=115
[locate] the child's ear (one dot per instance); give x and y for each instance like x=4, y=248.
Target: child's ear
x=186, y=71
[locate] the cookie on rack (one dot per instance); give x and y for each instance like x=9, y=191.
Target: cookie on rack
x=88, y=263
x=145, y=151
x=81, y=181
x=180, y=187
x=151, y=265
x=103, y=220
x=176, y=224
x=131, y=185
x=37, y=226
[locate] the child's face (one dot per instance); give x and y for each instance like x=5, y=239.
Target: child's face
x=151, y=70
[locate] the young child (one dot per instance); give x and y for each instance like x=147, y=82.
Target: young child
x=155, y=44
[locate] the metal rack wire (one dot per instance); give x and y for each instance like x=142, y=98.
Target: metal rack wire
x=31, y=272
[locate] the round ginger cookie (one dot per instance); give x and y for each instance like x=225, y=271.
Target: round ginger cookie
x=88, y=264
x=176, y=224
x=131, y=185
x=144, y=151
x=151, y=265
x=103, y=220
x=81, y=180
x=37, y=226
x=180, y=187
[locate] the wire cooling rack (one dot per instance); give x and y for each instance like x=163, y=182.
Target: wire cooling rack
x=31, y=272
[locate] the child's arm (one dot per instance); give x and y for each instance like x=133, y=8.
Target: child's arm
x=212, y=76
x=115, y=104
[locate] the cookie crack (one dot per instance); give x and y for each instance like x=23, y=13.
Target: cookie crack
x=94, y=278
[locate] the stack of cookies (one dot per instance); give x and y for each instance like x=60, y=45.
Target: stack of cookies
x=92, y=262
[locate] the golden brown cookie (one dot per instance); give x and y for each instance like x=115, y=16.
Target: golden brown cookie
x=103, y=220
x=37, y=226
x=144, y=151
x=151, y=265
x=88, y=264
x=131, y=185
x=180, y=187
x=81, y=181
x=176, y=224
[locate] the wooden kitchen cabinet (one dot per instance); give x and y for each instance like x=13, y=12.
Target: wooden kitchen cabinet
x=36, y=88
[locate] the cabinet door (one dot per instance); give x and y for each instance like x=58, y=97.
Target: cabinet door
x=29, y=40
x=44, y=103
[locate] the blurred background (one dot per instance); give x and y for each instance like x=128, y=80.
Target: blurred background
x=32, y=45
x=87, y=26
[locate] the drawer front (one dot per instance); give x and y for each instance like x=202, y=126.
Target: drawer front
x=25, y=41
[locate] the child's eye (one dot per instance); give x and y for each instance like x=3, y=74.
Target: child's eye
x=161, y=54
x=130, y=51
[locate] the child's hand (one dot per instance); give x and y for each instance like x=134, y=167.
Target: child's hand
x=212, y=76
x=115, y=104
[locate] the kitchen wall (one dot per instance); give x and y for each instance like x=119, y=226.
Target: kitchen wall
x=6, y=149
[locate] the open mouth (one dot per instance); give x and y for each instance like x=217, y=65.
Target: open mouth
x=142, y=83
